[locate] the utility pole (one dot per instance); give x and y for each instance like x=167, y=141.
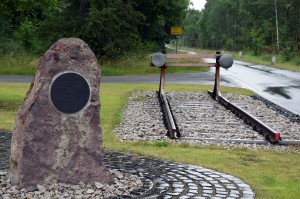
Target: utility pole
x=277, y=26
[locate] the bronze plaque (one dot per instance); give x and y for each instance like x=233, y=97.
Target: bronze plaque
x=70, y=93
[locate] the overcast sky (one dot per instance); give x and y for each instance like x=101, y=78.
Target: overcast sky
x=198, y=4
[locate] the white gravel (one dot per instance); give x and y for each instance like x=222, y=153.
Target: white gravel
x=201, y=117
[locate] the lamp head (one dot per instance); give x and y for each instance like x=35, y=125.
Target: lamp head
x=158, y=59
x=226, y=61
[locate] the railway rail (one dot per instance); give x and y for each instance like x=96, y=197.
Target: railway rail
x=171, y=123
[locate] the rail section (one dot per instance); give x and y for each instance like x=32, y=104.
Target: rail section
x=161, y=60
x=196, y=60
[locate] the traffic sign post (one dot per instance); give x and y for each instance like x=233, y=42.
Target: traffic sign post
x=176, y=43
x=176, y=30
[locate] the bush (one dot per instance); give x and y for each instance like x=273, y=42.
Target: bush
x=288, y=51
x=26, y=36
x=5, y=35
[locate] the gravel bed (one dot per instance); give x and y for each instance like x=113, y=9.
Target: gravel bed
x=293, y=117
x=199, y=116
x=5, y=140
x=142, y=119
x=277, y=118
x=122, y=185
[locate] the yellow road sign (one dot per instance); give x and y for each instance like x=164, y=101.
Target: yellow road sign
x=176, y=30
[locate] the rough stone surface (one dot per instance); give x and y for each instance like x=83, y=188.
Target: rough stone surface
x=49, y=146
x=118, y=188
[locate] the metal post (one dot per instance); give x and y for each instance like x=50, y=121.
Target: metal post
x=176, y=43
x=162, y=80
x=216, y=92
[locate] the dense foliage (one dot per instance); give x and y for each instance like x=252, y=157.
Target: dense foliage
x=245, y=25
x=110, y=27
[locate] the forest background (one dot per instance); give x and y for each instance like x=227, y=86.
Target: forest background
x=118, y=28
x=245, y=25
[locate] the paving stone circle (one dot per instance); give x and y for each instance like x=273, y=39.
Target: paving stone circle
x=163, y=179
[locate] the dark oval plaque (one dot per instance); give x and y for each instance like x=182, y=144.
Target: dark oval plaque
x=70, y=93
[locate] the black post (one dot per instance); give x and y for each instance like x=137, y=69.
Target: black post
x=176, y=43
x=216, y=93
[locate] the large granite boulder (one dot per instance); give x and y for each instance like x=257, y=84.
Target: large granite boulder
x=57, y=136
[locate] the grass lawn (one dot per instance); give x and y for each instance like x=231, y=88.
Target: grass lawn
x=135, y=64
x=270, y=174
x=139, y=64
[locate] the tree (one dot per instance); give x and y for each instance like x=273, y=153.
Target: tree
x=191, y=36
x=111, y=28
x=244, y=24
x=19, y=21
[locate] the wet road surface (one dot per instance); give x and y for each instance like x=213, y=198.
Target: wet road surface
x=203, y=78
x=280, y=86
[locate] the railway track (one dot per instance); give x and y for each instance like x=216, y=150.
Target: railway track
x=203, y=121
x=285, y=129
x=206, y=118
x=202, y=118
x=203, y=109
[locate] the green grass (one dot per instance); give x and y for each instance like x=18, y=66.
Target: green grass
x=270, y=174
x=138, y=64
x=20, y=64
x=293, y=63
x=133, y=64
x=11, y=97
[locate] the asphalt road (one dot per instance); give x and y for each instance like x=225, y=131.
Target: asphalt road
x=201, y=78
x=279, y=86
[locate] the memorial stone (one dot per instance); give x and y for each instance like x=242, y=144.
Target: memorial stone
x=57, y=135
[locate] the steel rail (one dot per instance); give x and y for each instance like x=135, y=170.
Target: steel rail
x=289, y=142
x=170, y=121
x=219, y=140
x=199, y=64
x=190, y=56
x=199, y=57
x=269, y=133
x=173, y=131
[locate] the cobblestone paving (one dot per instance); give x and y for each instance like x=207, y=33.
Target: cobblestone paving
x=164, y=179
